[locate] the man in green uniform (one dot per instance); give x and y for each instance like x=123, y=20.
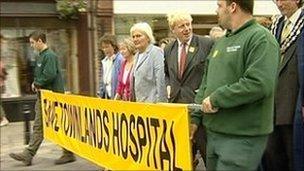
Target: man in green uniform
x=47, y=76
x=237, y=91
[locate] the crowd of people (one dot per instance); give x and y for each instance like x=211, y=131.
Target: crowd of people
x=248, y=78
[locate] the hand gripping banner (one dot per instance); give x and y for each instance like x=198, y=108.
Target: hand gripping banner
x=119, y=135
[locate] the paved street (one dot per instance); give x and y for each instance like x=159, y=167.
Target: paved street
x=12, y=141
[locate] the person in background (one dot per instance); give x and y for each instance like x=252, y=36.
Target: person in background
x=47, y=76
x=3, y=120
x=164, y=42
x=216, y=32
x=285, y=150
x=149, y=76
x=125, y=76
x=264, y=21
x=184, y=65
x=110, y=66
x=237, y=91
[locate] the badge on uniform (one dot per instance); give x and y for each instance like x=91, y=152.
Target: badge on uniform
x=215, y=53
x=191, y=49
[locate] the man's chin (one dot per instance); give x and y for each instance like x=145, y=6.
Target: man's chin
x=187, y=38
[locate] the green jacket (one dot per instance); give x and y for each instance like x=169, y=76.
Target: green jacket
x=240, y=80
x=47, y=72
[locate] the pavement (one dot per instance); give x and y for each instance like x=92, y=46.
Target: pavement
x=12, y=140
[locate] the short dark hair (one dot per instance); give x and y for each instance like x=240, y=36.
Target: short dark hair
x=109, y=39
x=36, y=35
x=300, y=4
x=246, y=5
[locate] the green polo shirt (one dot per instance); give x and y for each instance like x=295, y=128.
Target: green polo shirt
x=240, y=80
x=47, y=72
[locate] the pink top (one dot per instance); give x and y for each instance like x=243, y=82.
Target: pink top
x=124, y=88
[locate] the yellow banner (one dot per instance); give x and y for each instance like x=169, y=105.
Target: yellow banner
x=119, y=135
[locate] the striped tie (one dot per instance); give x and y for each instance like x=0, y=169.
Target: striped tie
x=286, y=30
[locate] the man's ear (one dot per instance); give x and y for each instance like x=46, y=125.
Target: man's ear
x=233, y=7
x=172, y=30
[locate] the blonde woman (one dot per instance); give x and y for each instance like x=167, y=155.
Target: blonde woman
x=125, y=76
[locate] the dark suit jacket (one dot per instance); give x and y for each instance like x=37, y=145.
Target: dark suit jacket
x=288, y=82
x=183, y=89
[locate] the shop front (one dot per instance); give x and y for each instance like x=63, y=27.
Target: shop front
x=18, y=20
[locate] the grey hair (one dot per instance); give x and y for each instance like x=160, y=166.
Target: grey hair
x=144, y=28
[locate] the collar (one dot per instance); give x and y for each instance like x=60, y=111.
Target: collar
x=112, y=58
x=244, y=26
x=41, y=52
x=149, y=47
x=188, y=42
x=295, y=16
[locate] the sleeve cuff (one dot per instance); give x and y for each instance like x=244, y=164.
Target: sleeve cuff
x=214, y=101
x=196, y=117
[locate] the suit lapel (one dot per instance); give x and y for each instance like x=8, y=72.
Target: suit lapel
x=287, y=56
x=280, y=29
x=172, y=59
x=140, y=61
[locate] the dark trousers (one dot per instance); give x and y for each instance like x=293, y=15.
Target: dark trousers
x=37, y=136
x=234, y=152
x=278, y=155
x=200, y=142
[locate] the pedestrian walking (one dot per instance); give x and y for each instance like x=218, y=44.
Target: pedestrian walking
x=3, y=74
x=47, y=76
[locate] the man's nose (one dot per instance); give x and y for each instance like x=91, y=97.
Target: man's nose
x=187, y=27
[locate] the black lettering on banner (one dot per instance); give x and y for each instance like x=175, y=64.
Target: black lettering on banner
x=174, y=149
x=106, y=139
x=142, y=138
x=138, y=137
x=116, y=133
x=66, y=120
x=164, y=153
x=47, y=112
x=76, y=115
x=132, y=138
x=99, y=131
x=50, y=114
x=124, y=146
x=73, y=124
x=150, y=143
x=155, y=124
x=86, y=134
x=92, y=132
x=71, y=132
x=55, y=120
